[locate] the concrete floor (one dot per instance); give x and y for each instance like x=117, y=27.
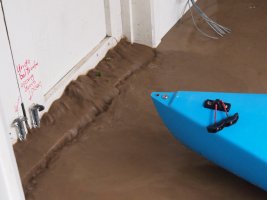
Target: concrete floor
x=127, y=153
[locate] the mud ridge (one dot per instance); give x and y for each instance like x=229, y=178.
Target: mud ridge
x=82, y=101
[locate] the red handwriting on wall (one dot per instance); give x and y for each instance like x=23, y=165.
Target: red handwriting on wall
x=27, y=75
x=26, y=68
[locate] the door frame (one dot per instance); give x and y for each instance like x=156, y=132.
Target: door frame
x=10, y=182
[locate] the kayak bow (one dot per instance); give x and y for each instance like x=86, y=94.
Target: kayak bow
x=229, y=129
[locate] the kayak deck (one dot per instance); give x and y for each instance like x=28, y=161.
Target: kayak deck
x=240, y=148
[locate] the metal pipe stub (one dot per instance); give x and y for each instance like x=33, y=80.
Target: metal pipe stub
x=35, y=109
x=20, y=124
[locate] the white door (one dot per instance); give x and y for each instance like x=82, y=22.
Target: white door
x=49, y=37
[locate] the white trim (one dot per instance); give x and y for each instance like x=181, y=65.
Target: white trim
x=9, y=88
x=142, y=22
x=155, y=25
x=10, y=183
x=127, y=19
x=87, y=63
x=113, y=18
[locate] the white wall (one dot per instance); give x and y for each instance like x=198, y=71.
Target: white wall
x=146, y=22
x=169, y=14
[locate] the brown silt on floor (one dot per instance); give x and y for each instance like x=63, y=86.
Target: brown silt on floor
x=103, y=140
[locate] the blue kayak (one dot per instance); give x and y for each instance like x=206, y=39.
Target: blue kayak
x=229, y=129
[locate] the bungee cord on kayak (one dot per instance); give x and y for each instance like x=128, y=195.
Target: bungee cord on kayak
x=221, y=106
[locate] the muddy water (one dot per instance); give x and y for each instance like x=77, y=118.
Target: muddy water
x=83, y=100
x=126, y=152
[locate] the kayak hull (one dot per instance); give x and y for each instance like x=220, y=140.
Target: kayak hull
x=240, y=148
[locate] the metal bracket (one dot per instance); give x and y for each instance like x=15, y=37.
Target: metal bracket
x=34, y=110
x=210, y=104
x=20, y=124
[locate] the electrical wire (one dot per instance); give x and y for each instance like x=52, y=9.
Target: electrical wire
x=217, y=28
x=14, y=66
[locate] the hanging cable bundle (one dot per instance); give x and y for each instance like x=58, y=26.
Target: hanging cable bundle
x=217, y=28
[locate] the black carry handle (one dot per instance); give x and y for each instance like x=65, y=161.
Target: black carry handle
x=229, y=121
x=219, y=105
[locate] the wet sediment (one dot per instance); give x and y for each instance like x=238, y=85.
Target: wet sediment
x=127, y=152
x=82, y=101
